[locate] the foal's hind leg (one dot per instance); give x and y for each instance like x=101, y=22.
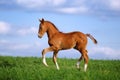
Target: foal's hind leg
x=79, y=60
x=85, y=55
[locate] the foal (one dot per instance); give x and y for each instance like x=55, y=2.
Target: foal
x=61, y=41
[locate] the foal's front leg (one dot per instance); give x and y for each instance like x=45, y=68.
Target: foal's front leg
x=43, y=54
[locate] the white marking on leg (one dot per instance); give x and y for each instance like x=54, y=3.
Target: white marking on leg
x=57, y=65
x=44, y=61
x=85, y=67
x=78, y=64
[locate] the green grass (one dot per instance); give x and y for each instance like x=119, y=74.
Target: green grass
x=31, y=68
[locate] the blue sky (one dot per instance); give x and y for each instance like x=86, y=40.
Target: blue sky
x=19, y=26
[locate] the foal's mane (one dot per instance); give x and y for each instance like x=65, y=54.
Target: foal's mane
x=53, y=25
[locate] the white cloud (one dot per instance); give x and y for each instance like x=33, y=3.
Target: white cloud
x=31, y=3
x=57, y=2
x=40, y=3
x=114, y=4
x=94, y=7
x=56, y=5
x=4, y=27
x=73, y=10
x=19, y=47
x=109, y=4
x=8, y=45
x=105, y=51
x=26, y=31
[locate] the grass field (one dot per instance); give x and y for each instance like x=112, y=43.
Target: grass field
x=31, y=68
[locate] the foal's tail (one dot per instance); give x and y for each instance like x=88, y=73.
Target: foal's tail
x=92, y=38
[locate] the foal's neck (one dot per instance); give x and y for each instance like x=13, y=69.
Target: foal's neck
x=52, y=30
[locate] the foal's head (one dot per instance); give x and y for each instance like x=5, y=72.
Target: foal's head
x=42, y=28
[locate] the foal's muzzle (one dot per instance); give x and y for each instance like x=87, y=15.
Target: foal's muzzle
x=40, y=36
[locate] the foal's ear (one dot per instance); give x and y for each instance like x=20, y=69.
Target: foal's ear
x=42, y=21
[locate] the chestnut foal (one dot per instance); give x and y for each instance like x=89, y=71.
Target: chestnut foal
x=61, y=41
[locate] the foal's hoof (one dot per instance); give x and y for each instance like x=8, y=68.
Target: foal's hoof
x=45, y=64
x=77, y=66
x=57, y=67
